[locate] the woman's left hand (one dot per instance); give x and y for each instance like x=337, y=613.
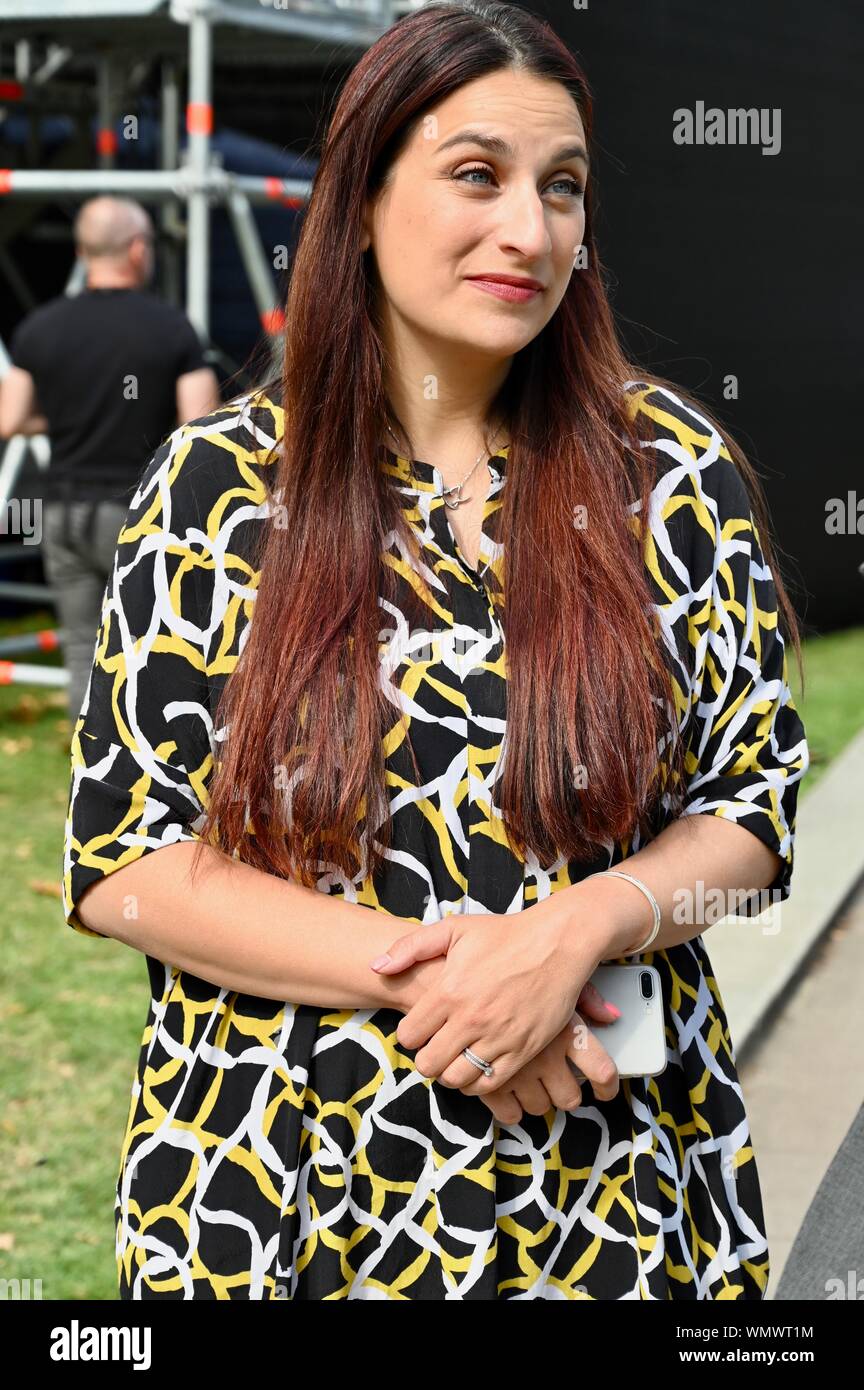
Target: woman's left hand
x=507, y=989
x=547, y=1082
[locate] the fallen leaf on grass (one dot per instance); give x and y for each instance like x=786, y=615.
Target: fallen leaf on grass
x=46, y=887
x=27, y=710
x=11, y=747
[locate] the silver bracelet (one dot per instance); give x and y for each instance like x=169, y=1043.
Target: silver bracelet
x=655, y=907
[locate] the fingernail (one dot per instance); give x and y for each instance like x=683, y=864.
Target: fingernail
x=379, y=961
x=616, y=1013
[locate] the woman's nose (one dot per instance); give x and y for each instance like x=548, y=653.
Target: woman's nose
x=523, y=224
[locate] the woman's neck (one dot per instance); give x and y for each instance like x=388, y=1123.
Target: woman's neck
x=450, y=426
x=448, y=449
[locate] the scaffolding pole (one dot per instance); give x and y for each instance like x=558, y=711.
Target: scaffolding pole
x=199, y=127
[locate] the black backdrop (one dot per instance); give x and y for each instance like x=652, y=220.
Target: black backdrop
x=723, y=260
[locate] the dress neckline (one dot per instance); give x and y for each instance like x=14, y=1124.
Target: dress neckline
x=429, y=474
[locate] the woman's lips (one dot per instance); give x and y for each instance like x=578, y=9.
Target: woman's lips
x=517, y=294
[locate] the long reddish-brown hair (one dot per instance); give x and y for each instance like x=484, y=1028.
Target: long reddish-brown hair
x=588, y=685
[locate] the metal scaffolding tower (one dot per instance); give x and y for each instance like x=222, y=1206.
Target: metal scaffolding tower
x=250, y=31
x=45, y=34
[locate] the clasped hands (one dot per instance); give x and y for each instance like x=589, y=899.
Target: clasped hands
x=507, y=986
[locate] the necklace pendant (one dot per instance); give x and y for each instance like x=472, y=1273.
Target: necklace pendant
x=454, y=491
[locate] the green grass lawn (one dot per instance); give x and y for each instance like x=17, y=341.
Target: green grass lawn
x=73, y=1007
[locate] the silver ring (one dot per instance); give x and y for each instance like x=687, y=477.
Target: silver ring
x=477, y=1061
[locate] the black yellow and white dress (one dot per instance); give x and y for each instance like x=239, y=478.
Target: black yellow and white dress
x=276, y=1150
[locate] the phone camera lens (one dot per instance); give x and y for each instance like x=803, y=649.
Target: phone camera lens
x=646, y=984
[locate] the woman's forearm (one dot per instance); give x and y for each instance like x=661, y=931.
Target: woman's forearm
x=246, y=930
x=693, y=864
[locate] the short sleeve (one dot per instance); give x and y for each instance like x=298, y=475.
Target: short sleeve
x=746, y=750
x=141, y=748
x=23, y=347
x=189, y=352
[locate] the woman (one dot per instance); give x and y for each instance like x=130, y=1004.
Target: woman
x=350, y=1142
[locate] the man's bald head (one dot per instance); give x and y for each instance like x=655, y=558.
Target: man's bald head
x=105, y=226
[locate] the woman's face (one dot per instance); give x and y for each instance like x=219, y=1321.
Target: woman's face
x=451, y=212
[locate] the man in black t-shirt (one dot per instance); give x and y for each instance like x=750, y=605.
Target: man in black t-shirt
x=107, y=374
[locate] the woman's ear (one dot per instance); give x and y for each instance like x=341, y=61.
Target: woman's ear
x=366, y=226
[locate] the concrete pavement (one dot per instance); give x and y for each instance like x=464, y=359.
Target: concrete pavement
x=804, y=1082
x=792, y=983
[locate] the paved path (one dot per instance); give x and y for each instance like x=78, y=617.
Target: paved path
x=754, y=959
x=804, y=1082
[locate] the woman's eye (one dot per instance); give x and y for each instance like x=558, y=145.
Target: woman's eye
x=575, y=189
x=477, y=169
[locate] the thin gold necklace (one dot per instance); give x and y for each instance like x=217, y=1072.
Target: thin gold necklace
x=455, y=488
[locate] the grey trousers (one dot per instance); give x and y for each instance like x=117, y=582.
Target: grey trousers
x=79, y=540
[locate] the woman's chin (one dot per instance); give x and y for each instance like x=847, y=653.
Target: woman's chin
x=493, y=343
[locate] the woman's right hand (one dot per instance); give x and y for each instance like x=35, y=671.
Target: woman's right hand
x=414, y=982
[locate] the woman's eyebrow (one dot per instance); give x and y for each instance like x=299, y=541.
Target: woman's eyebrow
x=495, y=145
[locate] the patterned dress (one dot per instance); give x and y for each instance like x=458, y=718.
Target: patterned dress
x=277, y=1150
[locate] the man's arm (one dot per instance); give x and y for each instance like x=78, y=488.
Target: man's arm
x=18, y=406
x=197, y=394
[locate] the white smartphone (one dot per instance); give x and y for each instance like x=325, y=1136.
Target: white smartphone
x=636, y=1041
